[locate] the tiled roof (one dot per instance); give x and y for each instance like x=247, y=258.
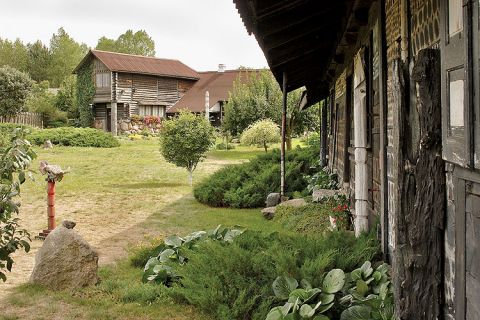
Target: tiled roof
x=218, y=85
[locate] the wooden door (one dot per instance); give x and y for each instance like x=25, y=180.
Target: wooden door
x=109, y=119
x=467, y=251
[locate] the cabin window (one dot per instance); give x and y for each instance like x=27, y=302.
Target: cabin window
x=102, y=80
x=455, y=17
x=158, y=111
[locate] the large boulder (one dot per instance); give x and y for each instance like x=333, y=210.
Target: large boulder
x=273, y=199
x=65, y=261
x=269, y=213
x=300, y=202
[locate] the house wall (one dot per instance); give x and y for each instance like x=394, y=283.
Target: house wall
x=345, y=166
x=135, y=89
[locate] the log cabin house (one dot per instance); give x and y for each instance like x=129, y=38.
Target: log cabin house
x=127, y=85
x=399, y=84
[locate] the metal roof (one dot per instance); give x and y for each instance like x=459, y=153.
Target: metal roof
x=120, y=62
x=218, y=85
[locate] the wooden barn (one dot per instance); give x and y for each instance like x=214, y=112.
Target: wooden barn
x=399, y=81
x=130, y=84
x=210, y=93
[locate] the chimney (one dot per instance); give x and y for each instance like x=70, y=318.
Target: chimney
x=221, y=67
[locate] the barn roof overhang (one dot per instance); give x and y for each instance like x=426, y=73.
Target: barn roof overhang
x=309, y=40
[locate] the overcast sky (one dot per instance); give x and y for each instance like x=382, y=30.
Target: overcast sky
x=200, y=33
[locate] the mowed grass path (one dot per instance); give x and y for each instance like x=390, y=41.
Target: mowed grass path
x=119, y=198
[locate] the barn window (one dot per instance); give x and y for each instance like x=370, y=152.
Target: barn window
x=158, y=111
x=102, y=80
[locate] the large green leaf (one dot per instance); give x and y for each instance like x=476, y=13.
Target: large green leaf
x=282, y=286
x=166, y=255
x=275, y=314
x=357, y=313
x=334, y=281
x=306, y=311
x=367, y=269
x=327, y=298
x=362, y=288
x=321, y=317
x=173, y=241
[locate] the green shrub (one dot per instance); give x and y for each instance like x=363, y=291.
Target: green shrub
x=234, y=280
x=223, y=146
x=247, y=185
x=75, y=137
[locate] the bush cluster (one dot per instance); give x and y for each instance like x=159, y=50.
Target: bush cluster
x=76, y=137
x=234, y=280
x=247, y=185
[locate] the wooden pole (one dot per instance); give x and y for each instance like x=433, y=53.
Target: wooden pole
x=51, y=205
x=282, y=146
x=323, y=136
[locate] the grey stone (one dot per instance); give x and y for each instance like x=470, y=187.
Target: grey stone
x=320, y=194
x=273, y=199
x=135, y=127
x=123, y=126
x=65, y=261
x=269, y=212
x=69, y=224
x=294, y=203
x=48, y=144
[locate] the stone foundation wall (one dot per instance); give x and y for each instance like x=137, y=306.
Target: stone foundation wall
x=128, y=126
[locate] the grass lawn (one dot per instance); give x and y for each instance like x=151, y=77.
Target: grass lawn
x=119, y=197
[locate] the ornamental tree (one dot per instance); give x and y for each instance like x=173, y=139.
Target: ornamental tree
x=262, y=132
x=15, y=159
x=185, y=139
x=14, y=89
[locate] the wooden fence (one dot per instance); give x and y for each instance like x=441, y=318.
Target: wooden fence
x=27, y=118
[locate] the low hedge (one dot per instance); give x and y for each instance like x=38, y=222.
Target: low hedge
x=75, y=137
x=247, y=185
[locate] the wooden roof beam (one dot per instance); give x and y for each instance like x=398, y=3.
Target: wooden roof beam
x=279, y=7
x=292, y=20
x=293, y=34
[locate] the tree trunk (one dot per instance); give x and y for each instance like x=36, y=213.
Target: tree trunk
x=418, y=265
x=265, y=146
x=190, y=177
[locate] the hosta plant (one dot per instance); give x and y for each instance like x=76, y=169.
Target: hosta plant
x=305, y=302
x=370, y=294
x=157, y=268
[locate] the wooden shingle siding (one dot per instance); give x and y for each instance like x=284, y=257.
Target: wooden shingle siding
x=134, y=89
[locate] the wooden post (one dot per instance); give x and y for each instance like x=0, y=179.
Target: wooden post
x=418, y=268
x=282, y=146
x=323, y=135
x=114, y=118
x=50, y=209
x=51, y=205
